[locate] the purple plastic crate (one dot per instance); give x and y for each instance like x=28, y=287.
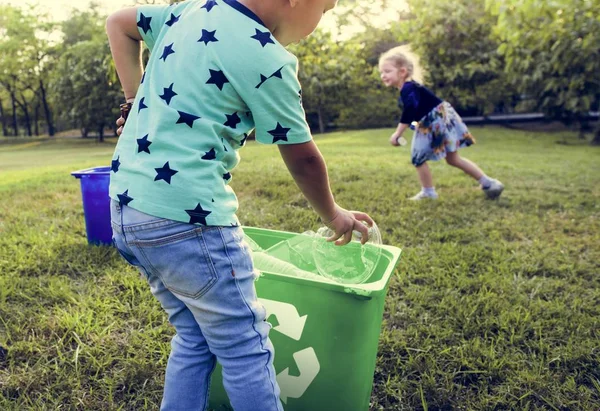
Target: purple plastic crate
x=96, y=204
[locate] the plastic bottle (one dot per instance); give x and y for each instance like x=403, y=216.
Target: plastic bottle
x=352, y=263
x=310, y=255
x=268, y=263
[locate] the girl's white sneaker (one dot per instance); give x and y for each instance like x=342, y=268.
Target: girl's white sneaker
x=422, y=195
x=494, y=190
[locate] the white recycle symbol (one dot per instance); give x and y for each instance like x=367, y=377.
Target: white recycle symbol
x=291, y=325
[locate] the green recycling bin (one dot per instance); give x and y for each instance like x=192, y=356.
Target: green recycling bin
x=325, y=334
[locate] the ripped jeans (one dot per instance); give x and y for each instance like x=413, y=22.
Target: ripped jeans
x=204, y=279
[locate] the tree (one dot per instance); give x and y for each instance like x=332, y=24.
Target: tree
x=552, y=52
x=83, y=25
x=324, y=73
x=458, y=53
x=365, y=12
x=369, y=102
x=26, y=53
x=85, y=87
x=338, y=72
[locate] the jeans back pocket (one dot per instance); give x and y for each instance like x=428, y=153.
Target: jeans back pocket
x=181, y=261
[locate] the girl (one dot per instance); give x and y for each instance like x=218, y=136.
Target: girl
x=440, y=130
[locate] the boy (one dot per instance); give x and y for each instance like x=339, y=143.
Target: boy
x=218, y=69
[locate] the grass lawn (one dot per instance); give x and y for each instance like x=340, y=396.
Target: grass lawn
x=495, y=305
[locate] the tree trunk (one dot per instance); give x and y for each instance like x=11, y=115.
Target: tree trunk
x=3, y=118
x=23, y=106
x=51, y=130
x=36, y=122
x=14, y=114
x=583, y=127
x=321, y=119
x=596, y=140
x=101, y=134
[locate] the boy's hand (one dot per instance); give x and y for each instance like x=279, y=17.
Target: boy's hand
x=394, y=139
x=120, y=123
x=344, y=222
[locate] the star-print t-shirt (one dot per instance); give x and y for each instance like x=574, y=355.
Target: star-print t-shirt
x=215, y=73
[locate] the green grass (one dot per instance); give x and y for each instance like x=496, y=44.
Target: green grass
x=495, y=305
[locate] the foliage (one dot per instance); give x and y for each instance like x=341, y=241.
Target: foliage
x=458, y=53
x=552, y=52
x=481, y=59
x=364, y=12
x=26, y=61
x=83, y=25
x=83, y=86
x=337, y=82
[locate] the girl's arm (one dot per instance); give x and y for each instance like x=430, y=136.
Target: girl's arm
x=400, y=129
x=125, y=46
x=398, y=133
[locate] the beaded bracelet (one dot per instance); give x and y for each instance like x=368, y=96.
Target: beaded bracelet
x=125, y=109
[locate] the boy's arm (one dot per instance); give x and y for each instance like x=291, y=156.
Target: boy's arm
x=307, y=166
x=125, y=45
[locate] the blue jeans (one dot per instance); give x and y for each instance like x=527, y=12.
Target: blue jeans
x=204, y=280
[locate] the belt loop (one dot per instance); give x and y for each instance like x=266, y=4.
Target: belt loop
x=122, y=226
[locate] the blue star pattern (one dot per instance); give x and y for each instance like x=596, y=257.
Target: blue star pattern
x=226, y=113
x=210, y=155
x=277, y=73
x=168, y=50
x=114, y=165
x=198, y=215
x=144, y=23
x=217, y=77
x=168, y=94
x=187, y=118
x=144, y=144
x=264, y=37
x=165, y=173
x=124, y=198
x=263, y=78
x=142, y=105
x=209, y=5
x=172, y=20
x=279, y=133
x=208, y=37
x=232, y=120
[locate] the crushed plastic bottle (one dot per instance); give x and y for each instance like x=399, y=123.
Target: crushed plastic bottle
x=264, y=262
x=352, y=263
x=298, y=250
x=281, y=264
x=310, y=255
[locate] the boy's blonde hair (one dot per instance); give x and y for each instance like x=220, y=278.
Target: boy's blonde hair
x=402, y=56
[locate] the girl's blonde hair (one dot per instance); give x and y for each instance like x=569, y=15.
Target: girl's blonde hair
x=402, y=56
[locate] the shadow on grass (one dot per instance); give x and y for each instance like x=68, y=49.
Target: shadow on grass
x=72, y=260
